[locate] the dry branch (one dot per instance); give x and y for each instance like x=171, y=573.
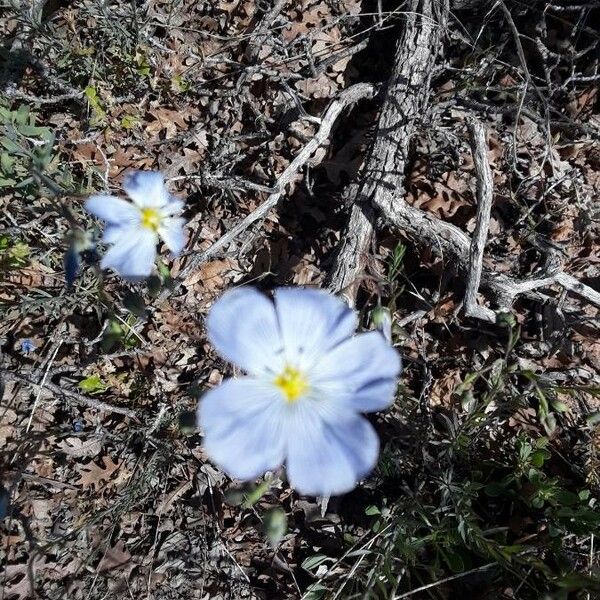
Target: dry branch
x=381, y=192
x=348, y=97
x=71, y=394
x=406, y=99
x=262, y=31
x=485, y=192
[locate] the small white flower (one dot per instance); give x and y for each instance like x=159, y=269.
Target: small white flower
x=134, y=228
x=308, y=379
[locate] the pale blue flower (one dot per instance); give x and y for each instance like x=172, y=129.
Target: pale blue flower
x=308, y=379
x=135, y=228
x=28, y=346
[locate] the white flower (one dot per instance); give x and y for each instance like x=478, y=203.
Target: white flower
x=134, y=228
x=308, y=379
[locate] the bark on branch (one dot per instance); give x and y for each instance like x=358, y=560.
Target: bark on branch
x=485, y=193
x=381, y=192
x=406, y=99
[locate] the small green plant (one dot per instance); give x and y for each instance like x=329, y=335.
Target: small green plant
x=483, y=499
x=14, y=254
x=93, y=385
x=24, y=148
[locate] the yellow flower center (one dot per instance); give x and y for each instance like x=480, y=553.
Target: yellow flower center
x=150, y=218
x=292, y=383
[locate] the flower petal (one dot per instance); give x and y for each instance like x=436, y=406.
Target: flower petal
x=243, y=425
x=326, y=459
x=146, y=188
x=132, y=254
x=242, y=326
x=174, y=206
x=113, y=232
x=112, y=209
x=311, y=321
x=361, y=372
x=171, y=232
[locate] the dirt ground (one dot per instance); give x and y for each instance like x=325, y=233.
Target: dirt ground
x=489, y=473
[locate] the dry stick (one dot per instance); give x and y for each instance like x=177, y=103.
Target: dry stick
x=14, y=94
x=453, y=244
x=71, y=394
x=41, y=386
x=384, y=168
x=485, y=192
x=261, y=34
x=348, y=97
x=383, y=192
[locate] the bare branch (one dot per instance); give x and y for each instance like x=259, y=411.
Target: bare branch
x=406, y=98
x=71, y=394
x=348, y=97
x=381, y=192
x=484, y=206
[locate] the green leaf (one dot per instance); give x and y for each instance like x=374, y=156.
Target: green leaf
x=135, y=304
x=593, y=418
x=12, y=146
x=453, y=560
x=538, y=457
x=494, y=489
x=33, y=131
x=21, y=116
x=314, y=561
x=537, y=502
x=163, y=269
x=93, y=385
x=316, y=591
x=129, y=122
x=6, y=163
x=91, y=93
x=559, y=406
x=180, y=84
x=257, y=493
x=566, y=498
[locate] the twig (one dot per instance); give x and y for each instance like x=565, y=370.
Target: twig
x=572, y=7
x=14, y=94
x=261, y=32
x=232, y=182
x=73, y=395
x=484, y=206
x=445, y=580
x=41, y=386
x=348, y=97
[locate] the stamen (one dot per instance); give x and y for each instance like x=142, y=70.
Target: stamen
x=150, y=218
x=292, y=383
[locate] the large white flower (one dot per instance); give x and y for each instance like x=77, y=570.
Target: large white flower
x=308, y=379
x=134, y=228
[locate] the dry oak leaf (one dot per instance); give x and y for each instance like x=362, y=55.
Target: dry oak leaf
x=166, y=119
x=7, y=424
x=92, y=474
x=79, y=447
x=116, y=557
x=210, y=274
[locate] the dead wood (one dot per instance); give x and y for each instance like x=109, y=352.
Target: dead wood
x=381, y=191
x=348, y=97
x=485, y=193
x=406, y=99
